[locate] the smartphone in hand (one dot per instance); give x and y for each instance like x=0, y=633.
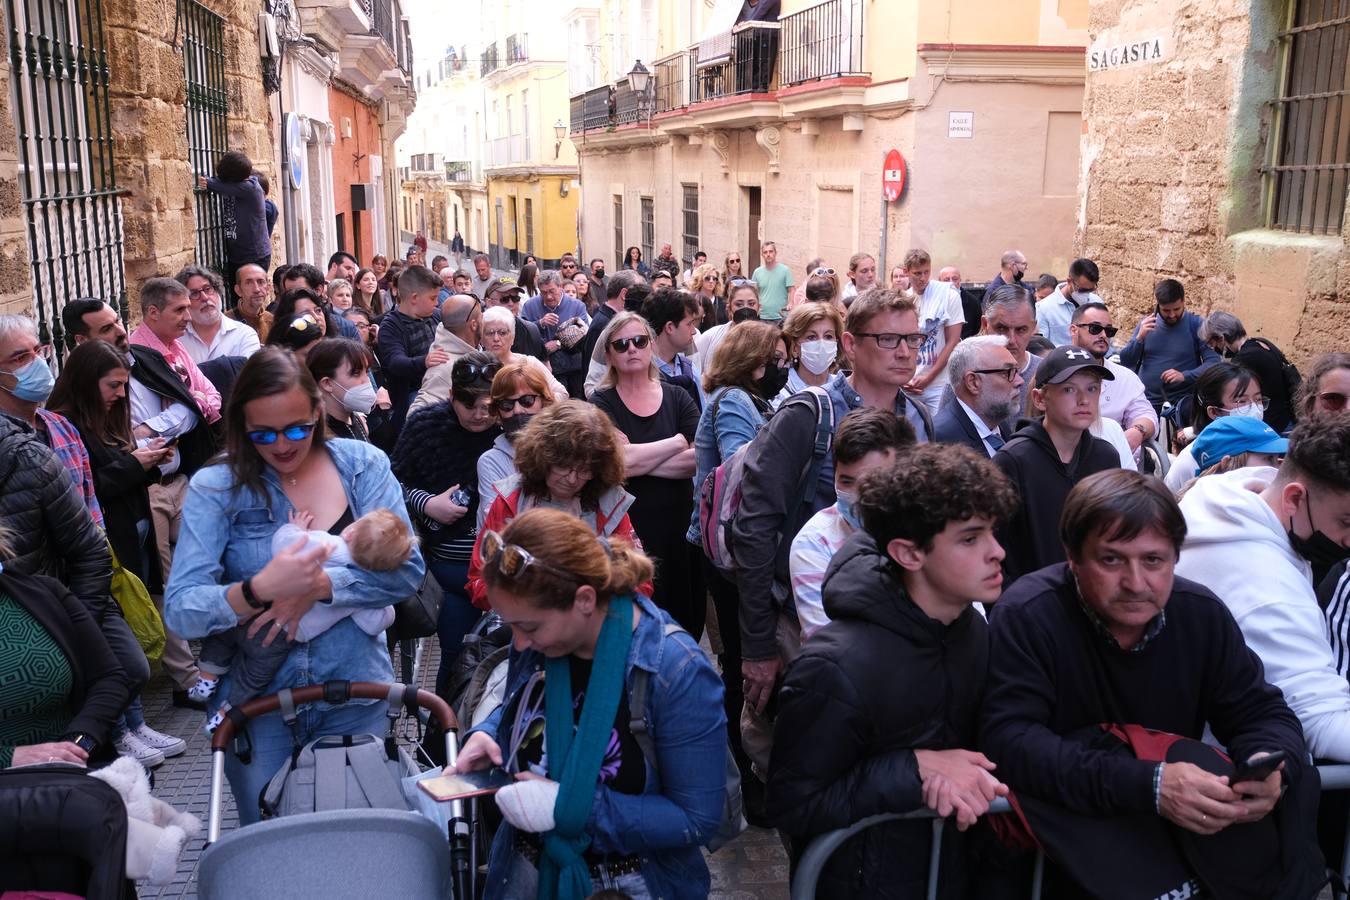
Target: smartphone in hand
x=1258, y=770
x=470, y=784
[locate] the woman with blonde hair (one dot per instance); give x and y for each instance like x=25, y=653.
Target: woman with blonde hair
x=596, y=807
x=659, y=421
x=568, y=458
x=706, y=284
x=519, y=392
x=814, y=330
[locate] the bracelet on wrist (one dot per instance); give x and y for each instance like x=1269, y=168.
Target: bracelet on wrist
x=246, y=586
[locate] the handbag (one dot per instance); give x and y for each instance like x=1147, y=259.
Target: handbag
x=139, y=610
x=418, y=615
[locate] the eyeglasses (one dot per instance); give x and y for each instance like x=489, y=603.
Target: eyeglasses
x=711, y=278
x=1333, y=400
x=203, y=292
x=513, y=561
x=496, y=332
x=640, y=341
x=292, y=433
x=734, y=262
x=506, y=404
x=1264, y=403
x=24, y=357
x=824, y=270
x=1008, y=372
x=1095, y=328
x=889, y=340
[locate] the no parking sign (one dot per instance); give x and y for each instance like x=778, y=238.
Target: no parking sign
x=893, y=176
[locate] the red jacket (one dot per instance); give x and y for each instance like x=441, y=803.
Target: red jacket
x=609, y=519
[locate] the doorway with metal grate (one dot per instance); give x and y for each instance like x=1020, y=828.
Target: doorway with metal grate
x=207, y=107
x=68, y=192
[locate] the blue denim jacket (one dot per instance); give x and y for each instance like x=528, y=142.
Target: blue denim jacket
x=226, y=536
x=738, y=421
x=681, y=807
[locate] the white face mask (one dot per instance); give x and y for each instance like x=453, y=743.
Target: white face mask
x=359, y=399
x=1250, y=411
x=818, y=356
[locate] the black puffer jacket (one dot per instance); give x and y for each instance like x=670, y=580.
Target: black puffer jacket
x=881, y=680
x=50, y=530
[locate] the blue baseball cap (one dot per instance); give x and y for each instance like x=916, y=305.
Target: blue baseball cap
x=1231, y=435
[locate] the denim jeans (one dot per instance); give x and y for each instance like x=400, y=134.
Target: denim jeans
x=522, y=882
x=458, y=614
x=273, y=742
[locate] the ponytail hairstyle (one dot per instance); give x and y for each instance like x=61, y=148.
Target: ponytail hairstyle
x=569, y=556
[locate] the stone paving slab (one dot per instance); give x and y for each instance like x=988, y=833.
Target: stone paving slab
x=753, y=867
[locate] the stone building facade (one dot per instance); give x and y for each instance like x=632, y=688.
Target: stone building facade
x=1193, y=167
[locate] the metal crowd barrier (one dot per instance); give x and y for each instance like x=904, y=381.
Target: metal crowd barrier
x=821, y=848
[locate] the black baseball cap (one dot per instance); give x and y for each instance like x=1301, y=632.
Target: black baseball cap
x=1060, y=364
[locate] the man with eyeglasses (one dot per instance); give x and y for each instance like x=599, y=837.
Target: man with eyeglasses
x=210, y=335
x=985, y=384
x=1262, y=539
x=882, y=337
x=1123, y=399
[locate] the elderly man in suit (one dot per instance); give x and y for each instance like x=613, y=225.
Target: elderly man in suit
x=985, y=388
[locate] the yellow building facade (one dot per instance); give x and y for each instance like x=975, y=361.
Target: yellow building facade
x=778, y=131
x=529, y=165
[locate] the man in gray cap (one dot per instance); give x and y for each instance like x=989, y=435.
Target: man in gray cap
x=460, y=331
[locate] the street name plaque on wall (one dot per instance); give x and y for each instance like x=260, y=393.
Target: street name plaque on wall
x=1102, y=57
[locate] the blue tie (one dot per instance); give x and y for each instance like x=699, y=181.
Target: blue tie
x=993, y=441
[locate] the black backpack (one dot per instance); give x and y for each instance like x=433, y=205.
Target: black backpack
x=1293, y=381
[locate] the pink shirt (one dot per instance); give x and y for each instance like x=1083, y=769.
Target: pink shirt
x=201, y=389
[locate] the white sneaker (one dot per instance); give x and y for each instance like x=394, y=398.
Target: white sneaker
x=166, y=744
x=130, y=744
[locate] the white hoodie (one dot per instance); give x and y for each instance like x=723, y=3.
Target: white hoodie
x=1238, y=548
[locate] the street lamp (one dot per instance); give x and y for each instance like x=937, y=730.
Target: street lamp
x=559, y=132
x=640, y=81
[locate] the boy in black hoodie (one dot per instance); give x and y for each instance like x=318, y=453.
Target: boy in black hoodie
x=873, y=713
x=1047, y=457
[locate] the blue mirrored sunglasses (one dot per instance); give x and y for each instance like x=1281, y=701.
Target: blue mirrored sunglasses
x=292, y=433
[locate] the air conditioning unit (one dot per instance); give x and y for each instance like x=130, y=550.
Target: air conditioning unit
x=363, y=197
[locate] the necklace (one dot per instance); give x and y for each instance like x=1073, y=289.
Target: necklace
x=290, y=479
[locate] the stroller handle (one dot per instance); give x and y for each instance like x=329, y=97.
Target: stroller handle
x=335, y=692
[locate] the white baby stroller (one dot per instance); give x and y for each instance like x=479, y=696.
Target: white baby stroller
x=338, y=806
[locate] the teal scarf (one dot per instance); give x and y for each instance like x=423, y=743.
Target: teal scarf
x=575, y=764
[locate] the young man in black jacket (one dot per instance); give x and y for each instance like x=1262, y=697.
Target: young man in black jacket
x=874, y=714
x=1113, y=638
x=1049, y=456
x=406, y=342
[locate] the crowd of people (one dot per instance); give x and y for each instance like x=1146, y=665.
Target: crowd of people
x=923, y=526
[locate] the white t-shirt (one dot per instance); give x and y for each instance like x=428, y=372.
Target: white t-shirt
x=939, y=307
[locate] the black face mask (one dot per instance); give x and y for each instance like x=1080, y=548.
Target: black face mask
x=745, y=314
x=1319, y=550
x=599, y=273
x=772, y=381
x=1018, y=276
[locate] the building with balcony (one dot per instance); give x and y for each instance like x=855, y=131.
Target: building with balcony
x=529, y=165
x=442, y=184
x=751, y=131
x=347, y=78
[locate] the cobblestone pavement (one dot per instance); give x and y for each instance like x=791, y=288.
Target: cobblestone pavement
x=753, y=867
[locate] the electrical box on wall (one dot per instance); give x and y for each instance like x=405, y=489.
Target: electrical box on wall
x=363, y=197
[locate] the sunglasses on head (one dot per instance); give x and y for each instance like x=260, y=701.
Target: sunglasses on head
x=467, y=372
x=1095, y=328
x=824, y=270
x=506, y=404
x=292, y=433
x=513, y=561
x=737, y=282
x=639, y=341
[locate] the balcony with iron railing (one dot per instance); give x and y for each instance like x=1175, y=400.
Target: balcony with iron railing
x=822, y=42
x=517, y=49
x=671, y=77
x=749, y=65
x=490, y=60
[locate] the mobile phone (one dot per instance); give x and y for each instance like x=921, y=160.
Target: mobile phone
x=469, y=784
x=1260, y=769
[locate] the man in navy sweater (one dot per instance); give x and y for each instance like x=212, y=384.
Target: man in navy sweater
x=1113, y=638
x=1166, y=350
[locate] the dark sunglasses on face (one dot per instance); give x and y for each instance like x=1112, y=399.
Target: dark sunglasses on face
x=1096, y=328
x=1332, y=399
x=639, y=341
x=292, y=433
x=505, y=405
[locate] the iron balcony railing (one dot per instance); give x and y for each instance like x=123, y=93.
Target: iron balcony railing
x=490, y=60
x=672, y=81
x=824, y=41
x=388, y=22
x=748, y=69
x=517, y=49
x=591, y=111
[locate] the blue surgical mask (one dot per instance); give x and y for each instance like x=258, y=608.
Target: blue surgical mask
x=34, y=381
x=845, y=504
